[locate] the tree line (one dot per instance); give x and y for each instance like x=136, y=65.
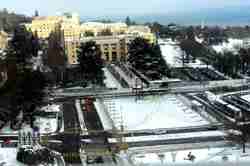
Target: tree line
x=26, y=86
x=9, y=20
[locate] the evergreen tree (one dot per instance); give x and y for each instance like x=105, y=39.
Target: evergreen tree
x=190, y=33
x=105, y=32
x=91, y=63
x=245, y=59
x=36, y=13
x=147, y=58
x=24, y=44
x=28, y=94
x=89, y=34
x=128, y=21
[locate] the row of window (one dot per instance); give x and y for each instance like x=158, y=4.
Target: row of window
x=113, y=56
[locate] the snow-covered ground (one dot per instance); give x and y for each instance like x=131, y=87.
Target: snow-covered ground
x=153, y=112
x=171, y=52
x=8, y=157
x=246, y=97
x=51, y=108
x=199, y=40
x=203, y=157
x=232, y=45
x=46, y=124
x=37, y=62
x=110, y=80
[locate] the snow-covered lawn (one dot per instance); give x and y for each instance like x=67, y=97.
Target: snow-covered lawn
x=232, y=45
x=153, y=112
x=8, y=157
x=203, y=157
x=171, y=52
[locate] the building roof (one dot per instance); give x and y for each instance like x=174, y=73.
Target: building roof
x=47, y=18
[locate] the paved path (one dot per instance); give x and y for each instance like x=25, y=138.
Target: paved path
x=110, y=80
x=80, y=117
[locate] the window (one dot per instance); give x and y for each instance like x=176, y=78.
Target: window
x=105, y=47
x=106, y=55
x=114, y=46
x=114, y=56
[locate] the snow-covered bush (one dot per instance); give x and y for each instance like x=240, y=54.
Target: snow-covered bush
x=33, y=155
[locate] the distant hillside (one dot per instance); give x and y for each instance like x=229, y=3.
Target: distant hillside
x=8, y=20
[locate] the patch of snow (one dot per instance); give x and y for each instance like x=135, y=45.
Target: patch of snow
x=199, y=40
x=232, y=45
x=246, y=97
x=171, y=52
x=51, y=108
x=107, y=122
x=110, y=80
x=211, y=96
x=203, y=157
x=8, y=156
x=37, y=62
x=46, y=125
x=153, y=112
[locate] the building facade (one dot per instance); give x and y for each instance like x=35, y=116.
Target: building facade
x=114, y=46
x=3, y=40
x=44, y=26
x=112, y=38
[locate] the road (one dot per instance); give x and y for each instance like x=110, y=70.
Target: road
x=175, y=141
x=147, y=91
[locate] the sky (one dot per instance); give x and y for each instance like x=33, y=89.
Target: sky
x=116, y=7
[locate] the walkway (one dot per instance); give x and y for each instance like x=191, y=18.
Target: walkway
x=131, y=82
x=80, y=117
x=105, y=118
x=110, y=80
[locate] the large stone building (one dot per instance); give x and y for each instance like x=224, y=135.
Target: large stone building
x=112, y=38
x=44, y=26
x=114, y=46
x=3, y=40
